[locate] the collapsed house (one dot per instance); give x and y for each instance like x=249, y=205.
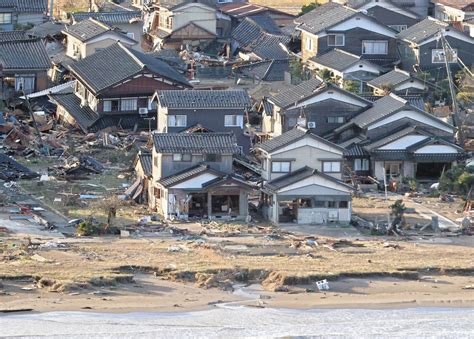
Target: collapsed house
x=190, y=175
x=24, y=66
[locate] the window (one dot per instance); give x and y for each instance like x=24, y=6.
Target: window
x=319, y=204
x=336, y=40
x=332, y=204
x=157, y=193
x=5, y=18
x=343, y=204
x=234, y=121
x=332, y=166
x=212, y=157
x=177, y=120
x=309, y=44
x=182, y=157
x=437, y=56
x=111, y=105
x=281, y=166
x=336, y=120
x=374, y=47
x=129, y=104
x=361, y=164
x=398, y=28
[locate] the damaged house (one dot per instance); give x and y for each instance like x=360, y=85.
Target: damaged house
x=192, y=177
x=114, y=88
x=301, y=175
x=215, y=110
x=320, y=106
x=259, y=38
x=24, y=66
x=176, y=23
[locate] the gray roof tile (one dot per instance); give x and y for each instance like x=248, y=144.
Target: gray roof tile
x=414, y=100
x=204, y=99
x=324, y=17
x=185, y=175
x=298, y=175
x=385, y=106
x=289, y=137
x=26, y=6
x=259, y=34
x=200, y=143
x=393, y=78
x=24, y=54
x=12, y=36
x=110, y=18
x=336, y=59
x=423, y=30
x=117, y=63
x=266, y=70
x=84, y=115
x=88, y=29
x=296, y=93
x=146, y=162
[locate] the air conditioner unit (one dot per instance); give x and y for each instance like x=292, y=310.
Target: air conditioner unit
x=311, y=124
x=143, y=111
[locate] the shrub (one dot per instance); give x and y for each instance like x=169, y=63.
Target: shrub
x=89, y=228
x=458, y=180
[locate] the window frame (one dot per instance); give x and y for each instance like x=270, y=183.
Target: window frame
x=184, y=124
x=336, y=35
x=133, y=100
x=3, y=21
x=107, y=110
x=385, y=42
x=309, y=43
x=212, y=157
x=397, y=27
x=237, y=123
x=362, y=162
x=280, y=170
x=182, y=157
x=331, y=170
x=336, y=120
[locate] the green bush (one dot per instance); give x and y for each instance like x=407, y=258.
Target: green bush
x=458, y=180
x=89, y=228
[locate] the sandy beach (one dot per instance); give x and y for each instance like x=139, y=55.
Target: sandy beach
x=153, y=294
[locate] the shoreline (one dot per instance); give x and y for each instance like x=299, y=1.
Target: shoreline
x=152, y=295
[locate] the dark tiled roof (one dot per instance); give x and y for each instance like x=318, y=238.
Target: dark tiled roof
x=184, y=175
x=266, y=70
x=117, y=63
x=12, y=36
x=289, y=137
x=423, y=30
x=87, y=29
x=356, y=151
x=394, y=78
x=296, y=93
x=8, y=164
x=47, y=29
x=84, y=116
x=324, y=17
x=297, y=176
x=26, y=6
x=385, y=106
x=392, y=136
x=200, y=143
x=204, y=99
x=146, y=162
x=414, y=100
x=257, y=35
x=110, y=18
x=336, y=59
x=24, y=54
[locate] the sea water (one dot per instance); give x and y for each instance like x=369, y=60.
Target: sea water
x=246, y=322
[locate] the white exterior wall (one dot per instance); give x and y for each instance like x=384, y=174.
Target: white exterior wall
x=201, y=15
x=379, y=170
x=408, y=169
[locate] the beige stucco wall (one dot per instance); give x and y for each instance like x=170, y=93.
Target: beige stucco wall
x=202, y=16
x=305, y=52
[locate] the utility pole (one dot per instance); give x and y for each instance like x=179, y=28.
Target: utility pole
x=456, y=121
x=51, y=9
